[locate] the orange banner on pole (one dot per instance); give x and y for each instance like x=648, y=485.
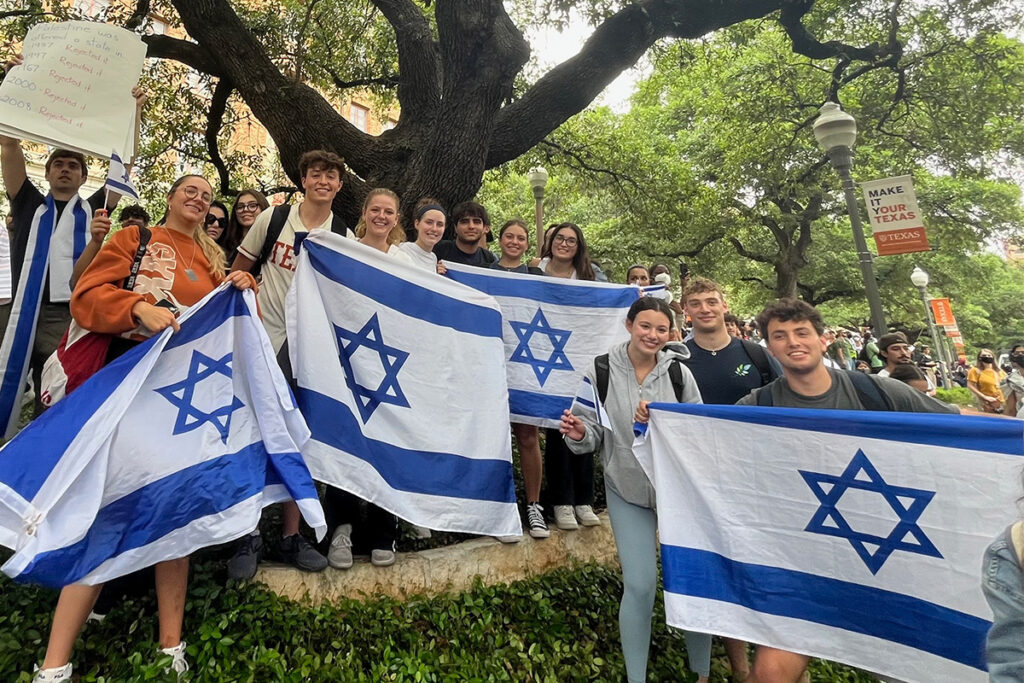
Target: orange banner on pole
x=943, y=312
x=895, y=217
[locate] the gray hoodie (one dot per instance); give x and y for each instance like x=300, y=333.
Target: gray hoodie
x=622, y=471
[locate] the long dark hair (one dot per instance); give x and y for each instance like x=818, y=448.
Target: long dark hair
x=581, y=261
x=235, y=233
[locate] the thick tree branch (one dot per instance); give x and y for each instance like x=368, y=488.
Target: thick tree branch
x=138, y=16
x=218, y=105
x=759, y=281
x=614, y=46
x=804, y=42
x=816, y=298
x=184, y=51
x=742, y=251
x=701, y=246
x=419, y=61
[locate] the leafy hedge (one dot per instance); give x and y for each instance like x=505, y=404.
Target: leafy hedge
x=556, y=628
x=960, y=396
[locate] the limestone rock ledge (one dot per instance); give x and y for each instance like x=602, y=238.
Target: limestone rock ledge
x=452, y=568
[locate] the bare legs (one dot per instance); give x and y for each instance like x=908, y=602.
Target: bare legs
x=738, y=661
x=529, y=459
x=777, y=666
x=77, y=600
x=290, y=518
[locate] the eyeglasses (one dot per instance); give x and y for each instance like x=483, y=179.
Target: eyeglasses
x=248, y=206
x=987, y=359
x=211, y=219
x=567, y=241
x=191, y=192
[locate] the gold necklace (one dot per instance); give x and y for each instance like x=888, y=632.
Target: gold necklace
x=189, y=273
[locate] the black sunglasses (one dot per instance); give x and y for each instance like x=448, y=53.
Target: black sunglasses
x=211, y=219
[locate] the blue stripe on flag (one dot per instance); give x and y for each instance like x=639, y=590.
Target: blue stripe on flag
x=975, y=433
x=545, y=290
x=584, y=402
x=11, y=387
x=153, y=511
x=122, y=188
x=403, y=296
x=536, y=404
x=223, y=305
x=81, y=229
x=438, y=474
x=880, y=613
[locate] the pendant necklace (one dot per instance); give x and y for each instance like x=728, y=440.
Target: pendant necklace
x=189, y=273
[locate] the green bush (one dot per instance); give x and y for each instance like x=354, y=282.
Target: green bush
x=960, y=396
x=556, y=628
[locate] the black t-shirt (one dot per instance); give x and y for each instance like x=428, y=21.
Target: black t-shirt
x=23, y=210
x=726, y=376
x=447, y=250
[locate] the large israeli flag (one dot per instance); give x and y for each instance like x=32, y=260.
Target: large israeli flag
x=854, y=536
x=402, y=380
x=176, y=445
x=553, y=329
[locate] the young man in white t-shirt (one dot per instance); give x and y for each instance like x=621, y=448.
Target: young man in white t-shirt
x=321, y=180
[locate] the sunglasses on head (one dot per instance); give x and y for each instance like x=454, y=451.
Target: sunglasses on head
x=211, y=219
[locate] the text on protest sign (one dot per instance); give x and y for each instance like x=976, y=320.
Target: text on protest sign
x=74, y=88
x=943, y=312
x=894, y=215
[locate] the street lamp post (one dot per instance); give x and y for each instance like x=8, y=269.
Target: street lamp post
x=836, y=131
x=538, y=178
x=920, y=280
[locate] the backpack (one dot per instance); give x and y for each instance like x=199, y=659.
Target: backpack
x=759, y=357
x=863, y=354
x=869, y=393
x=277, y=220
x=602, y=369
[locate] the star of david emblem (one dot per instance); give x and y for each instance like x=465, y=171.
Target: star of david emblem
x=126, y=176
x=556, y=360
x=181, y=395
x=907, y=503
x=391, y=359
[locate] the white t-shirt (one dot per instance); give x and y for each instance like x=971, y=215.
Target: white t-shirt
x=424, y=259
x=279, y=268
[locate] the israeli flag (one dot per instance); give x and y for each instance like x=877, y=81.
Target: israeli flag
x=587, y=401
x=553, y=329
x=176, y=445
x=401, y=377
x=119, y=180
x=854, y=536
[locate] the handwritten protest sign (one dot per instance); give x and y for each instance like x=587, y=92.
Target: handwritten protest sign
x=894, y=215
x=74, y=88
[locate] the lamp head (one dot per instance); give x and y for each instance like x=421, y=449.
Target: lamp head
x=919, y=277
x=538, y=178
x=834, y=127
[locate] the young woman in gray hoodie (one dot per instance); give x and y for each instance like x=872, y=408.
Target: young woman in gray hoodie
x=638, y=374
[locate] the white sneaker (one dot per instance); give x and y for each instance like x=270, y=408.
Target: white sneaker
x=61, y=673
x=339, y=555
x=420, y=532
x=382, y=558
x=586, y=515
x=564, y=518
x=510, y=539
x=179, y=664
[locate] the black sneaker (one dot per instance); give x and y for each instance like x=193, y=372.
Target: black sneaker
x=296, y=551
x=535, y=520
x=242, y=565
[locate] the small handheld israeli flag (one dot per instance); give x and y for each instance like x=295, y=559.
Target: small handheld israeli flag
x=855, y=536
x=587, y=401
x=119, y=179
x=174, y=446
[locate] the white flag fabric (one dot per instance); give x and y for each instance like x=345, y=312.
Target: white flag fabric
x=401, y=377
x=176, y=445
x=855, y=536
x=553, y=328
x=119, y=180
x=587, y=401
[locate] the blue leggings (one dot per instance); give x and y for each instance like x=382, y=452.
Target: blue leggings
x=635, y=530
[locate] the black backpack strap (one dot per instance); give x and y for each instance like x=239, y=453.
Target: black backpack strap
x=759, y=357
x=338, y=225
x=277, y=220
x=675, y=373
x=870, y=394
x=133, y=273
x=764, y=396
x=601, y=371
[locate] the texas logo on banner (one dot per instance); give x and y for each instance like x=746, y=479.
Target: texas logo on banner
x=894, y=215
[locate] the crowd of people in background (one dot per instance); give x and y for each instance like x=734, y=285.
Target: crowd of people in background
x=684, y=347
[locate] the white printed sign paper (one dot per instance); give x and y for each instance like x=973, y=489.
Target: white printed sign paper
x=74, y=88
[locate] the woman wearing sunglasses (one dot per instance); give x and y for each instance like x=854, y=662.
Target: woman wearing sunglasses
x=983, y=381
